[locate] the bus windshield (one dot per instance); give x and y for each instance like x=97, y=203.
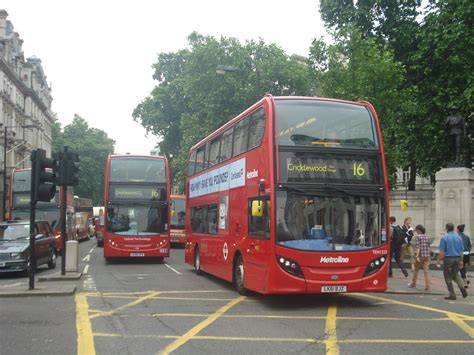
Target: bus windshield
x=324, y=124
x=134, y=169
x=22, y=181
x=136, y=219
x=178, y=206
x=327, y=221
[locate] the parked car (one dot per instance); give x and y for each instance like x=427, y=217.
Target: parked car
x=15, y=246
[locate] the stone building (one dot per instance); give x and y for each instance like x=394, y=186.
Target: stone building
x=25, y=104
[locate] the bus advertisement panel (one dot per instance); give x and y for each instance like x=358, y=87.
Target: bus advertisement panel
x=19, y=198
x=137, y=211
x=291, y=196
x=178, y=211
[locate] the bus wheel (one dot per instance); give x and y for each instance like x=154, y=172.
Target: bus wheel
x=239, y=275
x=197, y=262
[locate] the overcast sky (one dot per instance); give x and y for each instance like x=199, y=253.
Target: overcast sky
x=97, y=54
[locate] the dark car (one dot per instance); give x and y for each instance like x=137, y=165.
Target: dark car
x=15, y=246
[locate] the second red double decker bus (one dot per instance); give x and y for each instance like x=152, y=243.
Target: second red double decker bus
x=291, y=196
x=136, y=201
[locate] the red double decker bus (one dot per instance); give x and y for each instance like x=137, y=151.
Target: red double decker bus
x=291, y=196
x=19, y=202
x=136, y=201
x=178, y=211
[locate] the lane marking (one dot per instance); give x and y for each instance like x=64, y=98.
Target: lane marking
x=15, y=284
x=331, y=338
x=90, y=251
x=172, y=269
x=457, y=318
x=87, y=258
x=85, y=338
x=114, y=335
x=196, y=329
x=131, y=304
x=282, y=340
x=413, y=341
x=86, y=268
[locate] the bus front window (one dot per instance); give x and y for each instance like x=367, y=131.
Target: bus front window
x=136, y=220
x=324, y=222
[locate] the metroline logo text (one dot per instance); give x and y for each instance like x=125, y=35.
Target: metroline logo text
x=339, y=259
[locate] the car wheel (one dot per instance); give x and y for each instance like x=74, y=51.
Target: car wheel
x=197, y=261
x=239, y=275
x=52, y=262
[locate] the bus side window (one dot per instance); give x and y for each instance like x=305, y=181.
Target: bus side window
x=192, y=163
x=226, y=146
x=212, y=219
x=259, y=217
x=241, y=136
x=257, y=127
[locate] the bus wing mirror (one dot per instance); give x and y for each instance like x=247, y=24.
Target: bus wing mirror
x=257, y=208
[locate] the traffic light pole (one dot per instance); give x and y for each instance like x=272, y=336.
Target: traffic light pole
x=62, y=218
x=32, y=261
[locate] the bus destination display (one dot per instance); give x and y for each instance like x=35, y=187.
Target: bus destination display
x=136, y=193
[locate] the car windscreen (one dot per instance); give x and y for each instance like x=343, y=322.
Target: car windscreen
x=15, y=232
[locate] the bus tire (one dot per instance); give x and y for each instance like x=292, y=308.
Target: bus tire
x=197, y=261
x=239, y=275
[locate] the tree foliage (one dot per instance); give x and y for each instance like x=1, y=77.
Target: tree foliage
x=191, y=99
x=93, y=147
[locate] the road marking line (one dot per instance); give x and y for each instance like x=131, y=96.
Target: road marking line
x=457, y=318
x=85, y=338
x=131, y=304
x=196, y=329
x=87, y=258
x=90, y=251
x=173, y=269
x=15, y=284
x=114, y=335
x=331, y=338
x=413, y=341
x=293, y=340
x=86, y=268
x=137, y=294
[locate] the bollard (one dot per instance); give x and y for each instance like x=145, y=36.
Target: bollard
x=72, y=256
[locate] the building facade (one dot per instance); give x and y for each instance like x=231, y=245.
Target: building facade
x=25, y=105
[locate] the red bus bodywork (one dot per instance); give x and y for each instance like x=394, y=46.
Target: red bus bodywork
x=135, y=244
x=264, y=258
x=177, y=233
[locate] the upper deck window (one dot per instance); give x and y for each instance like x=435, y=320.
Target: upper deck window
x=137, y=170
x=22, y=181
x=324, y=124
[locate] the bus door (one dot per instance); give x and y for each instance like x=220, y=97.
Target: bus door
x=258, y=246
x=223, y=244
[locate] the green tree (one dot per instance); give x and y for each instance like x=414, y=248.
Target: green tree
x=354, y=68
x=191, y=99
x=93, y=147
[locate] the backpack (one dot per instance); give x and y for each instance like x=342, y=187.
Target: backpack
x=398, y=235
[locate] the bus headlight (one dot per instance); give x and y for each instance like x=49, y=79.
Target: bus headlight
x=15, y=256
x=375, y=265
x=289, y=266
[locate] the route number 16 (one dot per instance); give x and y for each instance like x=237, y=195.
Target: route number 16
x=358, y=169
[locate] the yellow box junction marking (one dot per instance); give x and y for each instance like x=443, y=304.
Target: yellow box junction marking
x=331, y=338
x=457, y=318
x=196, y=329
x=85, y=338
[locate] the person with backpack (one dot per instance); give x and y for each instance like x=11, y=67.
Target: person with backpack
x=397, y=239
x=422, y=257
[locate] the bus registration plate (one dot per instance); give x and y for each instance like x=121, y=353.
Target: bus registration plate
x=2, y=264
x=137, y=254
x=330, y=289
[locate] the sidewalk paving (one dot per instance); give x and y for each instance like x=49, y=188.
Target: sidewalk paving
x=398, y=284
x=21, y=289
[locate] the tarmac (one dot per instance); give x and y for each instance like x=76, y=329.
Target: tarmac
x=57, y=285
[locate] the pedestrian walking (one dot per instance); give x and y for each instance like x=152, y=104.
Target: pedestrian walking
x=407, y=248
x=450, y=252
x=466, y=254
x=397, y=238
x=422, y=257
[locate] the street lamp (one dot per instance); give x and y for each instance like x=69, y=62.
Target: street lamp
x=5, y=132
x=224, y=69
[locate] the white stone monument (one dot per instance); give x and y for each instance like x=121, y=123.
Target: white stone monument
x=454, y=200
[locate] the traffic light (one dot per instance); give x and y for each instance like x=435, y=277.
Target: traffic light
x=45, y=181
x=73, y=169
x=68, y=169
